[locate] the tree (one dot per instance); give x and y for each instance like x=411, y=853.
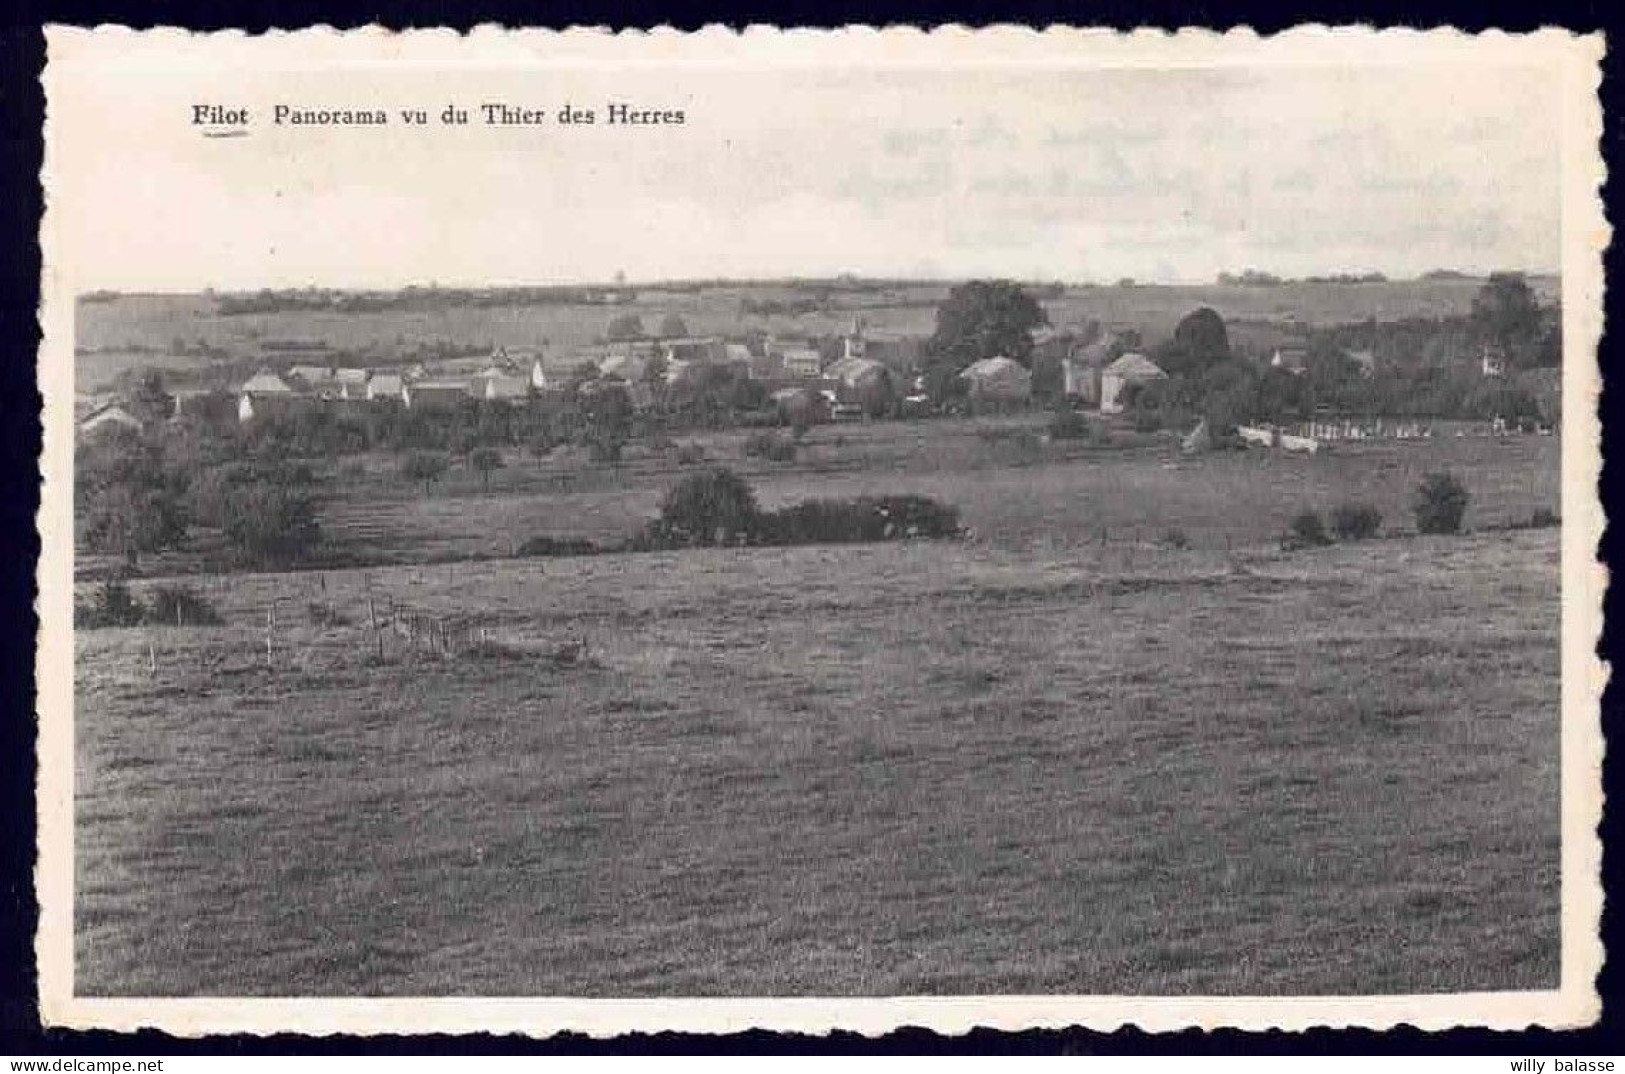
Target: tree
x=607, y=413
x=127, y=499
x=672, y=327
x=1506, y=316
x=623, y=327
x=1199, y=341
x=985, y=319
x=713, y=507
x=151, y=402
x=271, y=524
x=424, y=466
x=484, y=460
x=1439, y=503
x=129, y=519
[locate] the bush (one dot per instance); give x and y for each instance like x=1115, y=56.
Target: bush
x=181, y=606
x=713, y=507
x=690, y=454
x=1147, y=421
x=1440, y=503
x=1071, y=425
x=867, y=518
x=557, y=546
x=771, y=446
x=1308, y=529
x=111, y=605
x=1544, y=518
x=1175, y=538
x=1355, y=521
x=271, y=525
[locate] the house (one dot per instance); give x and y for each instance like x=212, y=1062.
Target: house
x=1365, y=361
x=386, y=386
x=538, y=376
x=1294, y=360
x=1129, y=370
x=801, y=362
x=427, y=395
x=629, y=366
x=351, y=383
x=694, y=350
x=997, y=383
x=1491, y=362
x=503, y=386
x=262, y=394
x=107, y=418
x=864, y=383
x=311, y=376
x=768, y=365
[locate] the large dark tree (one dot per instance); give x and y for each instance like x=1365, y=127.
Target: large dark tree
x=1199, y=341
x=713, y=507
x=1508, y=318
x=985, y=319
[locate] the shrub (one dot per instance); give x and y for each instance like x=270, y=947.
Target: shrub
x=1175, y=538
x=690, y=454
x=867, y=518
x=1307, y=528
x=771, y=446
x=271, y=525
x=1071, y=425
x=1355, y=521
x=1440, y=503
x=716, y=506
x=1544, y=518
x=181, y=606
x=425, y=467
x=557, y=546
x=111, y=605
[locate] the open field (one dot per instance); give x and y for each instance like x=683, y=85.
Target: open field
x=1011, y=490
x=134, y=331
x=905, y=768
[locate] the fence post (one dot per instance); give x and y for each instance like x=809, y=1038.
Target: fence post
x=270, y=625
x=152, y=658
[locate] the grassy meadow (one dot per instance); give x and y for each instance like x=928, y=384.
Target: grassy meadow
x=901, y=768
x=1013, y=490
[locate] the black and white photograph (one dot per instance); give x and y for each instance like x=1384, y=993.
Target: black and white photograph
x=820, y=530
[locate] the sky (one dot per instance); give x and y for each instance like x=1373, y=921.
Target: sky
x=1047, y=170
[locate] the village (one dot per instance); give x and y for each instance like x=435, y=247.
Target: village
x=868, y=376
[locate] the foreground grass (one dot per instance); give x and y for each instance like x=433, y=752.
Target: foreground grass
x=869, y=770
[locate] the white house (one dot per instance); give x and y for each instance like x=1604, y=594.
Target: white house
x=998, y=381
x=261, y=393
x=385, y=386
x=1132, y=368
x=802, y=362
x=1294, y=360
